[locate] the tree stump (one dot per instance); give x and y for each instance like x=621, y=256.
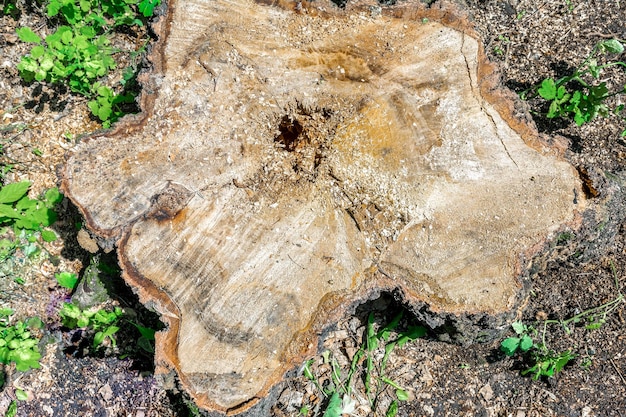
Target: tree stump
x=293, y=160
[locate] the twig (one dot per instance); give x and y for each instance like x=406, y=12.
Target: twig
x=618, y=371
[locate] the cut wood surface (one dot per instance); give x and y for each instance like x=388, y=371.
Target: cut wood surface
x=291, y=161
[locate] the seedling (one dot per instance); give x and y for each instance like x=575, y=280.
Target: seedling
x=102, y=322
x=340, y=391
x=543, y=361
x=579, y=96
x=501, y=47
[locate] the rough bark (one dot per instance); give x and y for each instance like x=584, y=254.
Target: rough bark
x=292, y=161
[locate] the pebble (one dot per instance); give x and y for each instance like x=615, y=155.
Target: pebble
x=487, y=392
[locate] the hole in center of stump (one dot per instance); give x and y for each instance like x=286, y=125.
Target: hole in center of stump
x=290, y=133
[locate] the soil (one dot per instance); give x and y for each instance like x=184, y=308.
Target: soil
x=530, y=40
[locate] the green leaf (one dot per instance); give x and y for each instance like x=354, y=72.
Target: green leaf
x=41, y=75
x=579, y=118
x=12, y=410
x=594, y=326
x=146, y=7
x=53, y=196
x=412, y=333
x=334, y=406
x=510, y=345
x=526, y=343
x=53, y=8
x=21, y=395
x=10, y=193
x=576, y=98
x=88, y=31
x=66, y=37
x=372, y=341
x=599, y=92
x=5, y=312
x=34, y=323
x=386, y=331
x=563, y=359
x=145, y=344
x=26, y=34
x=547, y=89
x=37, y=51
x=594, y=70
x=41, y=216
x=518, y=327
x=48, y=236
x=402, y=395
x=98, y=339
x=70, y=310
x=66, y=280
x=82, y=321
x=613, y=46
x=392, y=411
x=8, y=212
x=554, y=110
x=46, y=63
x=30, y=250
x=148, y=334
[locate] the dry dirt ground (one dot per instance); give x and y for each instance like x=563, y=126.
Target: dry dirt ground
x=531, y=40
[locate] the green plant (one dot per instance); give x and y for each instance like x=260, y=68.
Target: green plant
x=543, y=361
x=501, y=47
x=18, y=210
x=9, y=8
x=28, y=218
x=12, y=410
x=66, y=280
x=17, y=343
x=339, y=390
x=107, y=105
x=146, y=338
x=102, y=322
x=20, y=395
x=79, y=53
x=579, y=96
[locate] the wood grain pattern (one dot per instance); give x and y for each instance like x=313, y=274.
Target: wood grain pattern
x=289, y=164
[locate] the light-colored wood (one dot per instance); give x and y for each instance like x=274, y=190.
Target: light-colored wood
x=289, y=163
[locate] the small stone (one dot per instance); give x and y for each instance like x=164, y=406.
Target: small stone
x=106, y=392
x=428, y=410
x=586, y=412
x=486, y=392
x=292, y=400
x=425, y=376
